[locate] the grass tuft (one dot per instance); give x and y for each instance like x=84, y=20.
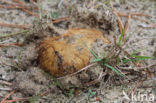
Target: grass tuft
x=114, y=59
x=104, y=61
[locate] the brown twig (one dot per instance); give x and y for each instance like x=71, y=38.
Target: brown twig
x=126, y=26
x=15, y=5
x=16, y=100
x=133, y=16
x=44, y=93
x=5, y=82
x=127, y=23
x=9, y=6
x=20, y=5
x=119, y=19
x=20, y=2
x=27, y=11
x=12, y=7
x=140, y=14
x=16, y=25
x=12, y=44
x=60, y=19
x=4, y=100
x=29, y=25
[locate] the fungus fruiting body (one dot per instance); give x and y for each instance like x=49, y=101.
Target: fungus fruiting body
x=67, y=54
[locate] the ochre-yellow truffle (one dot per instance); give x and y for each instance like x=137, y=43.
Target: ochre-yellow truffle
x=67, y=54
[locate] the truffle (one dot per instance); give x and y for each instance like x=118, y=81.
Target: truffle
x=67, y=53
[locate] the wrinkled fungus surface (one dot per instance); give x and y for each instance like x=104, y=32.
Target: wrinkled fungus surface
x=68, y=53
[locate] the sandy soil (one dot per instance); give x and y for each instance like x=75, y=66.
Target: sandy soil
x=19, y=66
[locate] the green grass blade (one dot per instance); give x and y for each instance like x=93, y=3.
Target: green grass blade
x=91, y=51
x=143, y=57
x=132, y=60
x=137, y=58
x=137, y=51
x=96, y=60
x=128, y=60
x=120, y=39
x=115, y=70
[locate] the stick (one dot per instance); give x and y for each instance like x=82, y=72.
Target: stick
x=60, y=19
x=3, y=101
x=10, y=7
x=5, y=82
x=27, y=11
x=16, y=100
x=20, y=2
x=11, y=44
x=13, y=5
x=140, y=14
x=119, y=19
x=134, y=14
x=16, y=25
x=126, y=26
